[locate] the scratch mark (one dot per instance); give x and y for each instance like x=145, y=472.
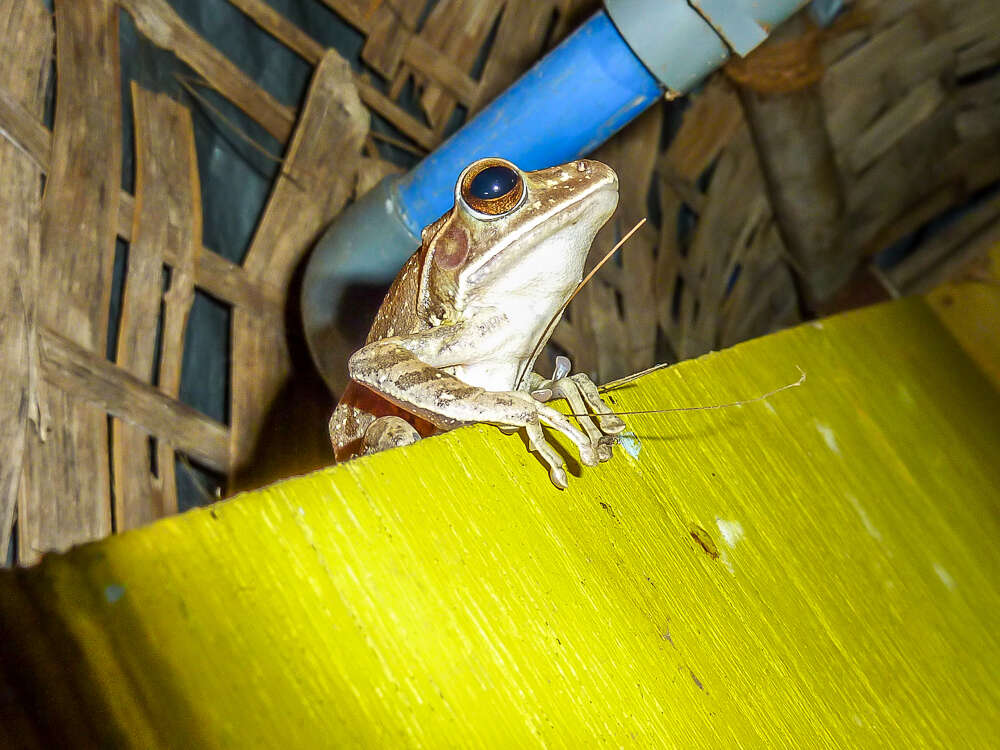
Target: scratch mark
x=945, y=576
x=829, y=437
x=732, y=531
x=872, y=530
x=904, y=395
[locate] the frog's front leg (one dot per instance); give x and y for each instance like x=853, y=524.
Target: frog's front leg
x=583, y=398
x=407, y=371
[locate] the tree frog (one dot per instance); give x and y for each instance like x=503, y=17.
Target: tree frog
x=456, y=338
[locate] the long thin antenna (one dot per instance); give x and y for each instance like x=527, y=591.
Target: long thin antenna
x=555, y=318
x=796, y=384
x=597, y=268
x=188, y=83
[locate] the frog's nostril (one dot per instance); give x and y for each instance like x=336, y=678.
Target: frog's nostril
x=582, y=166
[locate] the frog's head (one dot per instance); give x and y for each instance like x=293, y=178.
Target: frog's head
x=513, y=237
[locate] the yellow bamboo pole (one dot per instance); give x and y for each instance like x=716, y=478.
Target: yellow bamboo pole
x=971, y=311
x=818, y=570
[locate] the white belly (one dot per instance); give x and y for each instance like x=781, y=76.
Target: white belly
x=491, y=375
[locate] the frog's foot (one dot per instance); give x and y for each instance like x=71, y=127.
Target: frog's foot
x=589, y=454
x=516, y=409
x=388, y=432
x=584, y=399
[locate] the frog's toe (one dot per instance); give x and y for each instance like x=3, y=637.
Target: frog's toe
x=604, y=449
x=589, y=456
x=611, y=424
x=562, y=369
x=538, y=443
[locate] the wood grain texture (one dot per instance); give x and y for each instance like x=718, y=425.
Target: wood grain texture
x=111, y=390
x=318, y=177
x=312, y=51
x=316, y=182
x=25, y=50
x=458, y=28
x=168, y=213
x=158, y=21
x=215, y=274
x=803, y=185
x=66, y=493
x=446, y=595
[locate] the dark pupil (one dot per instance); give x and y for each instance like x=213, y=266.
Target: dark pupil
x=493, y=182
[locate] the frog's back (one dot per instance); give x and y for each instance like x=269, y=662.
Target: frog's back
x=398, y=314
x=359, y=406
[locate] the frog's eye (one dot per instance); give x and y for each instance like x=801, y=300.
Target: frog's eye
x=492, y=187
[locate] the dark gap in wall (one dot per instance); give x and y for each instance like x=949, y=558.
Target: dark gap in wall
x=111, y=473
x=197, y=485
x=160, y=319
x=205, y=369
x=151, y=446
x=117, y=290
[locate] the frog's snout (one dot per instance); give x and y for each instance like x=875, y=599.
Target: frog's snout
x=596, y=171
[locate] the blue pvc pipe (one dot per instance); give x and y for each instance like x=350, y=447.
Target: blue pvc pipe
x=574, y=99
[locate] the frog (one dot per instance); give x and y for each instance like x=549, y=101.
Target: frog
x=456, y=338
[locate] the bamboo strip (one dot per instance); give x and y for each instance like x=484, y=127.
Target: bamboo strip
x=25, y=50
x=910, y=275
x=138, y=497
x=459, y=29
x=213, y=273
x=325, y=151
x=891, y=126
x=168, y=214
x=66, y=494
x=312, y=51
x=179, y=297
x=417, y=53
x=161, y=24
x=815, y=571
x=519, y=43
x=109, y=389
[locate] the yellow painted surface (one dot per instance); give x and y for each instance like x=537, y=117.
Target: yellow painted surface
x=971, y=311
x=447, y=595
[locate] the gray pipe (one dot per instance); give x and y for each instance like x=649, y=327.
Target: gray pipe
x=363, y=245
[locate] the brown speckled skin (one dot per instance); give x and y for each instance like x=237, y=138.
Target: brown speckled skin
x=359, y=406
x=458, y=332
